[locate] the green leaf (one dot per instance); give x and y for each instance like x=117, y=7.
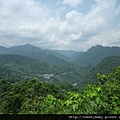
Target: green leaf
x=74, y=107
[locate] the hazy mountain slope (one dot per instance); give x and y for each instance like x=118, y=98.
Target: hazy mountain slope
x=17, y=68
x=26, y=47
x=59, y=55
x=37, y=53
x=105, y=66
x=70, y=54
x=21, y=66
x=3, y=50
x=64, y=58
x=96, y=54
x=26, y=63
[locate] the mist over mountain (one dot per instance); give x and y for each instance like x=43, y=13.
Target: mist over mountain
x=38, y=53
x=64, y=58
x=96, y=54
x=73, y=55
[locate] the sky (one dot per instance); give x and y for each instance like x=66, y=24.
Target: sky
x=60, y=24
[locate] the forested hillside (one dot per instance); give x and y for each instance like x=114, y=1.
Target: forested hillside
x=104, y=67
x=33, y=97
x=17, y=67
x=96, y=54
x=64, y=58
x=39, y=54
x=30, y=84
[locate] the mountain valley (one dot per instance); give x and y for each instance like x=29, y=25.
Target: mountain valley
x=31, y=76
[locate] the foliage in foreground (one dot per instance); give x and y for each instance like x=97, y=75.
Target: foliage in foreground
x=103, y=98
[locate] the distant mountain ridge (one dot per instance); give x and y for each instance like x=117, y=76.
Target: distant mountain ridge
x=14, y=66
x=38, y=53
x=73, y=55
x=59, y=55
x=96, y=54
x=26, y=47
x=64, y=58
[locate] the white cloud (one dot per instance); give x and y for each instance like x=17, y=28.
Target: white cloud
x=93, y=25
x=100, y=15
x=73, y=23
x=75, y=36
x=108, y=38
x=32, y=22
x=93, y=22
x=21, y=10
x=72, y=3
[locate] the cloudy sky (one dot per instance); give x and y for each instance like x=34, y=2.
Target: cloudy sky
x=60, y=24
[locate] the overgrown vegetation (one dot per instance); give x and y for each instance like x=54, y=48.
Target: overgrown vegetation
x=33, y=97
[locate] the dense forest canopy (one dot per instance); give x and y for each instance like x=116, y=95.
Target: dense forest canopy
x=33, y=97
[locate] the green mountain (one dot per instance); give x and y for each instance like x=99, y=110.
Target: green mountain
x=70, y=54
x=16, y=68
x=37, y=62
x=20, y=66
x=33, y=97
x=3, y=50
x=58, y=54
x=64, y=58
x=105, y=66
x=39, y=54
x=96, y=54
